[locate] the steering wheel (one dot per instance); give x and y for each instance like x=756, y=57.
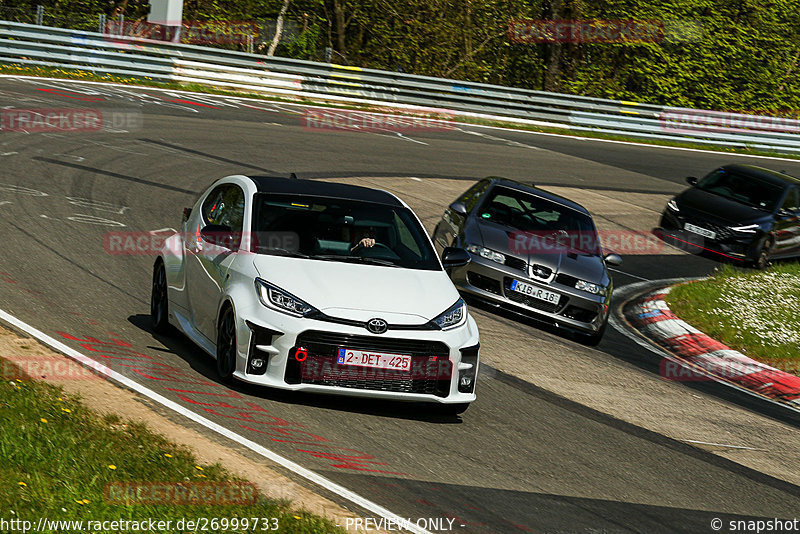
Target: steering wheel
x=359, y=246
x=559, y=236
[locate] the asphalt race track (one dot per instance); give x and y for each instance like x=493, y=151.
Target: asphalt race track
x=521, y=459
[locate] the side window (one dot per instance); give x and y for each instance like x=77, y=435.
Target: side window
x=473, y=194
x=792, y=202
x=225, y=206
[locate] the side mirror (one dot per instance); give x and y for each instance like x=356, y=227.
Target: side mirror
x=691, y=180
x=613, y=259
x=455, y=257
x=187, y=212
x=220, y=235
x=459, y=208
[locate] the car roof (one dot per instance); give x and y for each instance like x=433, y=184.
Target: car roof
x=533, y=190
x=768, y=175
x=296, y=186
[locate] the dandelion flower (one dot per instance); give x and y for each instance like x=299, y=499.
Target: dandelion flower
x=22, y=484
x=168, y=455
x=198, y=468
x=43, y=420
x=112, y=467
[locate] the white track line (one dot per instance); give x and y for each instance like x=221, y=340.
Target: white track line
x=219, y=429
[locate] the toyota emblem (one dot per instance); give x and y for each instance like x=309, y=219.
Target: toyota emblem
x=377, y=326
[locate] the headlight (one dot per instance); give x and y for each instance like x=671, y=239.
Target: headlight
x=673, y=205
x=749, y=229
x=595, y=289
x=456, y=315
x=487, y=253
x=276, y=298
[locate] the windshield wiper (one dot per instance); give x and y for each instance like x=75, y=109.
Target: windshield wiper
x=355, y=259
x=282, y=252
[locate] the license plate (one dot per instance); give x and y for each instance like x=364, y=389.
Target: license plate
x=699, y=231
x=535, y=292
x=376, y=360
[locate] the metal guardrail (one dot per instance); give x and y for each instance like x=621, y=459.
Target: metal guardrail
x=170, y=62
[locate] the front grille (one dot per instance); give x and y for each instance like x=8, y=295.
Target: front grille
x=484, y=282
x=516, y=263
x=430, y=374
x=566, y=280
x=530, y=301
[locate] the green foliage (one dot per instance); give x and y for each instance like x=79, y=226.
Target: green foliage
x=747, y=56
x=59, y=457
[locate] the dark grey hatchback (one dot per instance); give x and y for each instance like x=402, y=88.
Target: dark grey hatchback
x=740, y=212
x=533, y=253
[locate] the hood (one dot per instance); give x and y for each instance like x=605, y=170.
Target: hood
x=717, y=208
x=497, y=237
x=361, y=292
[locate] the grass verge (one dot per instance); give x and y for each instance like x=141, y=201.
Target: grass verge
x=75, y=74
x=754, y=312
x=59, y=458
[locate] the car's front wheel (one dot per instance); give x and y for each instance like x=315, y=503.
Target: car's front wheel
x=594, y=339
x=764, y=258
x=159, y=304
x=452, y=409
x=226, y=345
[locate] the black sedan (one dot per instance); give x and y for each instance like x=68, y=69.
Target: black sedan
x=742, y=213
x=533, y=253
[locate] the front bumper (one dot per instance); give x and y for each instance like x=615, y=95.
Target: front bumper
x=727, y=243
x=441, y=360
x=490, y=281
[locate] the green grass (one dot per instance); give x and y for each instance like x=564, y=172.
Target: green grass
x=75, y=74
x=754, y=312
x=58, y=456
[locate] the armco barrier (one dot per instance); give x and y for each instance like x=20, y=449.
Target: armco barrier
x=169, y=62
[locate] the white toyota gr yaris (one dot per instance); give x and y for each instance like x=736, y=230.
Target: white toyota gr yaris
x=314, y=286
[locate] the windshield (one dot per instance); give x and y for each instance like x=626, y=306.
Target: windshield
x=333, y=229
x=747, y=190
x=538, y=216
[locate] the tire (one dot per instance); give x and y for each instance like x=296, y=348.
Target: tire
x=159, y=302
x=226, y=345
x=763, y=261
x=452, y=409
